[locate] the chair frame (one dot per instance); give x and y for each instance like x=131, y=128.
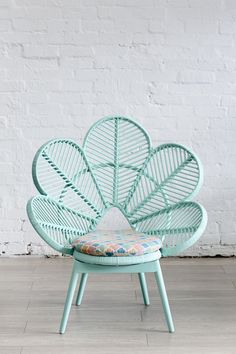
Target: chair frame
x=174, y=204
x=140, y=269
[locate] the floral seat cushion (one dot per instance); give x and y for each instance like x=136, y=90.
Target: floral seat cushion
x=117, y=243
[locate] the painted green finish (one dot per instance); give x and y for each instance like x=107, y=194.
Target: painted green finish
x=116, y=167
x=148, y=267
x=82, y=285
x=164, y=298
x=151, y=267
x=144, y=289
x=69, y=298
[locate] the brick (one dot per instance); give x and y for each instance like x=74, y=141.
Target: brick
x=40, y=51
x=201, y=26
x=64, y=25
x=76, y=11
x=78, y=86
x=156, y=26
x=44, y=109
x=196, y=76
x=82, y=63
x=29, y=25
x=5, y=25
x=103, y=26
x=75, y=51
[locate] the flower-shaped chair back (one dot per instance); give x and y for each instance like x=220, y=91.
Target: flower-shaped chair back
x=117, y=167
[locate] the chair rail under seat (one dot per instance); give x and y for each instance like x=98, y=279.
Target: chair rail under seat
x=148, y=267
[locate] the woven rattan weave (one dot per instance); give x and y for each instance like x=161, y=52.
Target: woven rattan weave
x=117, y=167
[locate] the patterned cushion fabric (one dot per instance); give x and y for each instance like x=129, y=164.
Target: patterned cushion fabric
x=117, y=243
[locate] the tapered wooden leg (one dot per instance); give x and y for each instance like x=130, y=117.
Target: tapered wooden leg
x=69, y=299
x=144, y=289
x=82, y=285
x=164, y=298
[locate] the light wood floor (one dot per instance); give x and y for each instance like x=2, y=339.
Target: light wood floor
x=112, y=318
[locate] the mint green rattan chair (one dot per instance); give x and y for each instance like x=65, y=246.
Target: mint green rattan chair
x=117, y=167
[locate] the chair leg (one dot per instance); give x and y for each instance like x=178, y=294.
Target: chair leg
x=69, y=299
x=144, y=289
x=164, y=298
x=82, y=285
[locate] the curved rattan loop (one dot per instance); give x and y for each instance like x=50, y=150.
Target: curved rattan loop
x=116, y=148
x=57, y=224
x=170, y=174
x=117, y=168
x=61, y=171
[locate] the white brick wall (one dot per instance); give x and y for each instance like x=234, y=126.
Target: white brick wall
x=171, y=64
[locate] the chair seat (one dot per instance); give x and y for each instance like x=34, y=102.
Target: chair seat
x=123, y=243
